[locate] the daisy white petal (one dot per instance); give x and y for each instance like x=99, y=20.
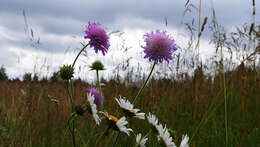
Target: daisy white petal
x=152, y=119
x=184, y=142
x=128, y=108
x=121, y=125
x=118, y=124
x=164, y=136
x=140, y=141
x=93, y=106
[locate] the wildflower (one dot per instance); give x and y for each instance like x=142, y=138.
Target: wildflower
x=164, y=136
x=128, y=108
x=152, y=119
x=159, y=46
x=66, y=72
x=97, y=65
x=118, y=124
x=98, y=99
x=140, y=141
x=93, y=108
x=98, y=37
x=184, y=142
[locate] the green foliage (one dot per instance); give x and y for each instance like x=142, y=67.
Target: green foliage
x=35, y=77
x=3, y=75
x=27, y=77
x=55, y=77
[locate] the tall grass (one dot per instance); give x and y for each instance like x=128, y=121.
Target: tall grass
x=29, y=118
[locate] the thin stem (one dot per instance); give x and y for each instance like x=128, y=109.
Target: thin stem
x=70, y=95
x=116, y=139
x=73, y=133
x=79, y=54
x=145, y=83
x=225, y=97
x=199, y=29
x=98, y=82
x=100, y=137
x=71, y=98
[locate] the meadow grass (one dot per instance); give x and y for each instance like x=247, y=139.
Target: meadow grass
x=192, y=105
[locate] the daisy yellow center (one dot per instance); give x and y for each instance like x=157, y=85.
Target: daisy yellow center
x=112, y=118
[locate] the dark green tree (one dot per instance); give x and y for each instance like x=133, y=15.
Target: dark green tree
x=55, y=77
x=3, y=75
x=27, y=77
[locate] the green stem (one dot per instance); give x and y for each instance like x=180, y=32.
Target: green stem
x=70, y=94
x=225, y=97
x=98, y=82
x=74, y=62
x=199, y=29
x=98, y=140
x=73, y=133
x=116, y=139
x=145, y=83
x=71, y=98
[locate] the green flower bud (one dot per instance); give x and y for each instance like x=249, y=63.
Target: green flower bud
x=97, y=65
x=66, y=72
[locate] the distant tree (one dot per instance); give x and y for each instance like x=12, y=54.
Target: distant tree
x=35, y=77
x=3, y=75
x=55, y=77
x=27, y=77
x=16, y=79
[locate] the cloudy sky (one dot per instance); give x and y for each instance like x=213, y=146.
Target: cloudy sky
x=59, y=26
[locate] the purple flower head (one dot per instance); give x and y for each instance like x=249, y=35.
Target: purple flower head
x=159, y=46
x=98, y=37
x=97, y=95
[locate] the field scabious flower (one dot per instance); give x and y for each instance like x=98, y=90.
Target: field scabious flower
x=93, y=107
x=159, y=46
x=128, y=108
x=99, y=38
x=140, y=141
x=118, y=124
x=98, y=99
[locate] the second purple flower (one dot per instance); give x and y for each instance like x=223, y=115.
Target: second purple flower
x=98, y=37
x=159, y=46
x=97, y=95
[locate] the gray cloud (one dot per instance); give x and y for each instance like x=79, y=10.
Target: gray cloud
x=60, y=24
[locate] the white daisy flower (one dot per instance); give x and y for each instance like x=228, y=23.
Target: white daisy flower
x=152, y=119
x=128, y=108
x=184, y=142
x=164, y=136
x=140, y=141
x=118, y=124
x=93, y=106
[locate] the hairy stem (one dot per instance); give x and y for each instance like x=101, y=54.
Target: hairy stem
x=145, y=83
x=74, y=62
x=70, y=89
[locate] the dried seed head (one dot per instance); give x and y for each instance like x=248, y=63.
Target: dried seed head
x=79, y=110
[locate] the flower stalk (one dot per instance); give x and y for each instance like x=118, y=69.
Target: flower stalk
x=71, y=98
x=145, y=83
